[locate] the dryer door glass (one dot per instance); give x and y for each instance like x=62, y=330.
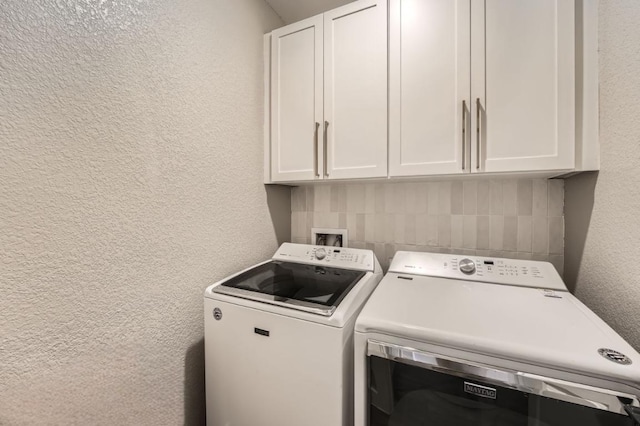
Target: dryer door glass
x=408, y=395
x=284, y=281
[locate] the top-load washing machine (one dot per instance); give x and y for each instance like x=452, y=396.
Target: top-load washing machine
x=448, y=340
x=279, y=338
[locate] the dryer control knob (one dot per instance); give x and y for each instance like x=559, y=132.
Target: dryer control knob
x=467, y=266
x=321, y=254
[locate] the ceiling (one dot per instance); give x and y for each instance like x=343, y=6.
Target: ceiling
x=295, y=10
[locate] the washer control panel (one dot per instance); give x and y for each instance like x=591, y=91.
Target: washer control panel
x=336, y=257
x=524, y=273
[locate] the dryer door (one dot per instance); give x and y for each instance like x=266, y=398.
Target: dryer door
x=411, y=388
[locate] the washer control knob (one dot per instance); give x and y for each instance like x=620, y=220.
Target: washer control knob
x=467, y=266
x=321, y=254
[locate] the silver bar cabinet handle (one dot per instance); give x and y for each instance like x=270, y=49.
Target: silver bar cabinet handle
x=315, y=151
x=464, y=132
x=326, y=126
x=477, y=133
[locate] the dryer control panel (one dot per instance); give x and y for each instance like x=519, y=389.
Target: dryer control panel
x=523, y=273
x=335, y=257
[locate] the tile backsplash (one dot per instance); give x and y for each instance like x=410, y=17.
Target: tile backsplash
x=517, y=218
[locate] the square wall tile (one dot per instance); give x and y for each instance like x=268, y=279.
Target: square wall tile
x=556, y=198
x=457, y=222
x=523, y=256
x=369, y=198
x=540, y=235
x=525, y=226
x=310, y=219
x=355, y=198
x=410, y=197
x=410, y=229
x=421, y=198
x=497, y=232
x=360, y=226
x=434, y=198
x=457, y=198
x=390, y=227
x=510, y=198
x=510, y=235
x=432, y=230
x=380, y=228
x=394, y=197
x=444, y=230
x=352, y=225
x=399, y=225
x=484, y=197
x=525, y=197
x=469, y=232
x=556, y=235
x=444, y=198
x=294, y=224
x=421, y=229
x=338, y=198
x=470, y=197
x=379, y=197
x=399, y=198
x=369, y=227
x=298, y=199
x=342, y=220
x=322, y=198
x=496, y=198
x=483, y=227
x=539, y=197
x=310, y=196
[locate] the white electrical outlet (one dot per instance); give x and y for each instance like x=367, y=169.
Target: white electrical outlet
x=334, y=237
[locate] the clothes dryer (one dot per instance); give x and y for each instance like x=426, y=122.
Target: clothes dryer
x=450, y=340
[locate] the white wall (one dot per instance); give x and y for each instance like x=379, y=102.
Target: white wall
x=130, y=179
x=602, y=210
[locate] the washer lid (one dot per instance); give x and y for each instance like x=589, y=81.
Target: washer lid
x=311, y=288
x=523, y=324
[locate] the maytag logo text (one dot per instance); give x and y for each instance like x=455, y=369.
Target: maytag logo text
x=479, y=390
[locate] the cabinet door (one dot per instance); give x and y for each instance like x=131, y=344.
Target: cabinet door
x=523, y=85
x=429, y=77
x=355, y=90
x=296, y=100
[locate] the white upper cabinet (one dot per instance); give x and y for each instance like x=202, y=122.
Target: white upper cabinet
x=429, y=86
x=481, y=86
x=296, y=100
x=523, y=85
x=435, y=87
x=329, y=95
x=355, y=90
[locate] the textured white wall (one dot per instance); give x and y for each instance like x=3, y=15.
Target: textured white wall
x=130, y=179
x=602, y=211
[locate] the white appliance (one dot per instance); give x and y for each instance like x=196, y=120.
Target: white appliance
x=455, y=340
x=279, y=338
